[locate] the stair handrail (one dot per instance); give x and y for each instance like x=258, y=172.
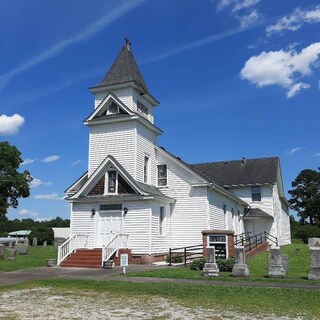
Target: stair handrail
x=119, y=240
x=65, y=249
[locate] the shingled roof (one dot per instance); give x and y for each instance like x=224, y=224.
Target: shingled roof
x=124, y=69
x=240, y=172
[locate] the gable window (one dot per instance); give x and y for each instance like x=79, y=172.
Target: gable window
x=256, y=193
x=161, y=220
x=162, y=175
x=113, y=108
x=146, y=169
x=112, y=181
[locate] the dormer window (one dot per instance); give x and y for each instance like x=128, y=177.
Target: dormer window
x=142, y=108
x=256, y=193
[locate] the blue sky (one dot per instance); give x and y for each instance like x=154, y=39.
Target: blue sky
x=234, y=78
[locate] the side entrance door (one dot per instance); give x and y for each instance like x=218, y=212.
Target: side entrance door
x=110, y=223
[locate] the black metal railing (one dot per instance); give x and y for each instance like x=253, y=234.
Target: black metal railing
x=251, y=242
x=186, y=253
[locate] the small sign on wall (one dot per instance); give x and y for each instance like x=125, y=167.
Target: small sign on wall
x=124, y=260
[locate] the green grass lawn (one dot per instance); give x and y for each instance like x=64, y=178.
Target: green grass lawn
x=298, y=268
x=35, y=258
x=254, y=301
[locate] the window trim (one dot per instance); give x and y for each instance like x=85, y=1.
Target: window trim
x=166, y=176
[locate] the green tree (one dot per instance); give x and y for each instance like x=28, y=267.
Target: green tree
x=13, y=184
x=305, y=196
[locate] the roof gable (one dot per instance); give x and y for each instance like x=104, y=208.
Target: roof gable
x=101, y=111
x=241, y=172
x=124, y=69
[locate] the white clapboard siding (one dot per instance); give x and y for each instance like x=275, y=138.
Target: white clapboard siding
x=116, y=139
x=189, y=216
x=266, y=203
x=220, y=221
x=145, y=147
x=160, y=243
x=82, y=222
x=137, y=225
x=124, y=95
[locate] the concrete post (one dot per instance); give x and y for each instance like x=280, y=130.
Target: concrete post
x=1, y=251
x=314, y=271
x=211, y=268
x=275, y=264
x=240, y=268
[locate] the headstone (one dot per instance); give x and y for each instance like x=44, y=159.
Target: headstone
x=1, y=251
x=26, y=241
x=313, y=242
x=314, y=271
x=12, y=254
x=22, y=248
x=34, y=242
x=240, y=268
x=276, y=264
x=10, y=244
x=211, y=268
x=51, y=262
x=44, y=243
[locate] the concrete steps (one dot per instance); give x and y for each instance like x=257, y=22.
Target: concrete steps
x=84, y=258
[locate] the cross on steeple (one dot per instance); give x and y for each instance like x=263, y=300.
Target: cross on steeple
x=128, y=43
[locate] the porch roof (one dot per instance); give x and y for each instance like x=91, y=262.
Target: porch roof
x=257, y=213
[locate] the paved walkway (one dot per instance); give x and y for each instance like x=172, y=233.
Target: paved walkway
x=115, y=274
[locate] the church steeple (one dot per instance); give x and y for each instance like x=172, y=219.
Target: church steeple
x=123, y=70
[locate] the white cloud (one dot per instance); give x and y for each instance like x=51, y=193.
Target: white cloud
x=317, y=154
x=10, y=125
x=27, y=161
x=51, y=159
x=296, y=88
x=295, y=21
x=44, y=219
x=25, y=212
x=281, y=68
x=37, y=182
x=76, y=162
x=248, y=20
x=236, y=5
x=88, y=32
x=294, y=150
x=50, y=196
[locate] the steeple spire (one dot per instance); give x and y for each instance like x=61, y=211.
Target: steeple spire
x=124, y=69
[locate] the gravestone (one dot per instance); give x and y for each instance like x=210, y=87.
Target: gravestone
x=34, y=242
x=240, y=268
x=314, y=271
x=44, y=243
x=313, y=242
x=22, y=248
x=276, y=261
x=1, y=251
x=26, y=241
x=12, y=254
x=211, y=268
x=10, y=244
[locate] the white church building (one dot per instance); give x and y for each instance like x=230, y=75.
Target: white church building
x=137, y=195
